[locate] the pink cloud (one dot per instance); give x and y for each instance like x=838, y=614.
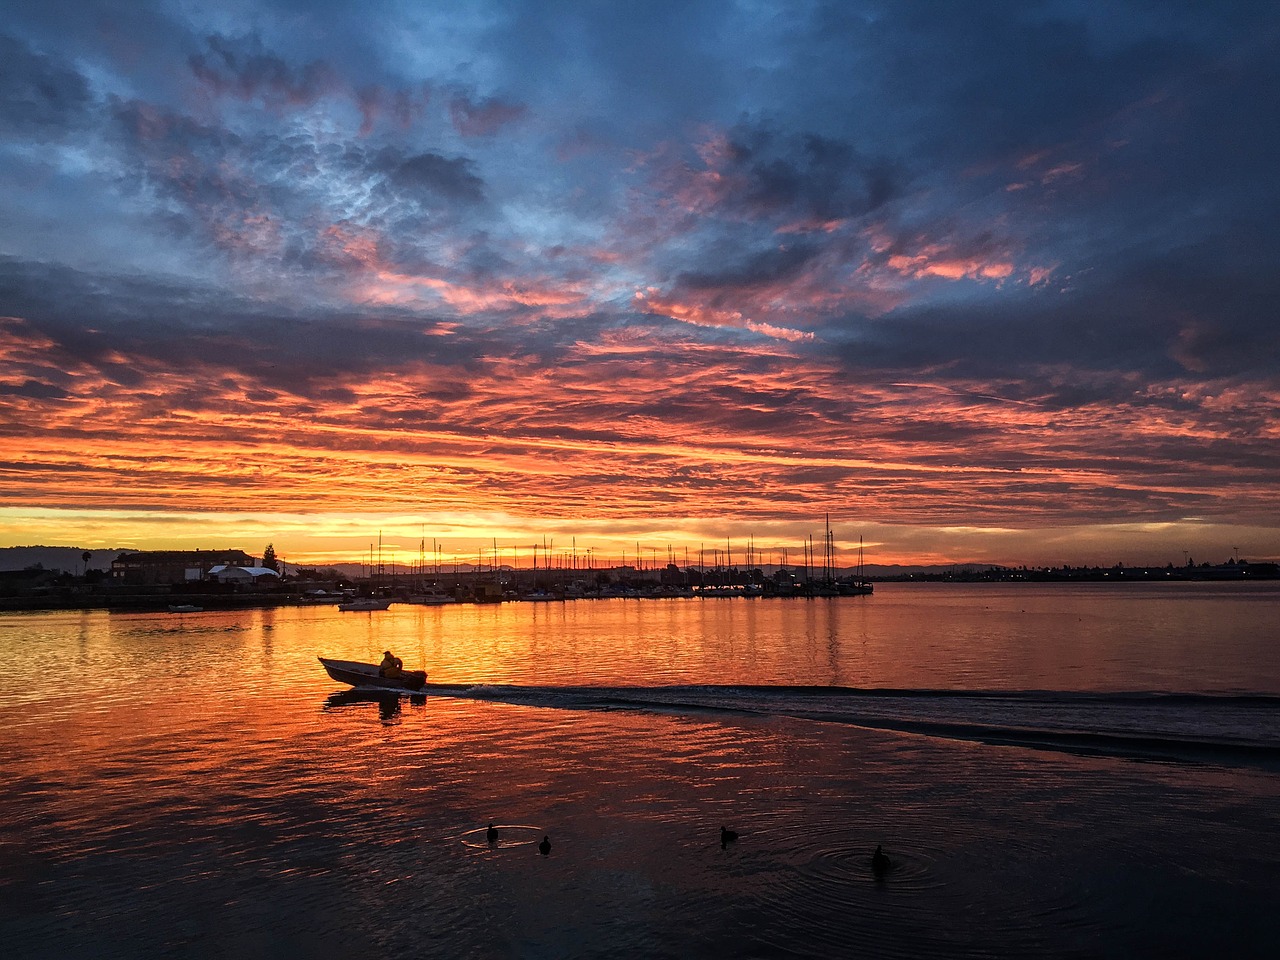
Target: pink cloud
x=483, y=118
x=706, y=316
x=402, y=108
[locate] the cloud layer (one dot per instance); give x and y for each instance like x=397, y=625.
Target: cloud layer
x=929, y=266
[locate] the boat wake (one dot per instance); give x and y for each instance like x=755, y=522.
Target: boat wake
x=1194, y=728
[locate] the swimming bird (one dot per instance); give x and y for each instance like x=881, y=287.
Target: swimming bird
x=727, y=836
x=545, y=846
x=492, y=833
x=880, y=862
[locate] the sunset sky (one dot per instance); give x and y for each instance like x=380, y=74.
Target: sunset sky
x=993, y=281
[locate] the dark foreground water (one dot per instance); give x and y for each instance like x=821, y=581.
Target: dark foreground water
x=1064, y=771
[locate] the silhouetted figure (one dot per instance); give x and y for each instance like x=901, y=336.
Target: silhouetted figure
x=391, y=666
x=492, y=833
x=727, y=837
x=880, y=862
x=545, y=846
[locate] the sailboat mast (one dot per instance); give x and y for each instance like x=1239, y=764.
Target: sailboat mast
x=826, y=548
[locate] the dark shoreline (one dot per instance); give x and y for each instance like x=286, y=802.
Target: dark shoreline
x=151, y=604
x=1225, y=573
x=161, y=600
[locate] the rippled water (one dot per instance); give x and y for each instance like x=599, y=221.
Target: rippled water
x=1061, y=771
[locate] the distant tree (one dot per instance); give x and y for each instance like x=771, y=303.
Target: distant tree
x=269, y=558
x=86, y=557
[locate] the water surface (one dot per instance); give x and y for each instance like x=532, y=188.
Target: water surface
x=1067, y=770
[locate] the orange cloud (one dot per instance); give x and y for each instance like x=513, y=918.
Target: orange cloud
x=705, y=316
x=934, y=262
x=377, y=280
x=636, y=428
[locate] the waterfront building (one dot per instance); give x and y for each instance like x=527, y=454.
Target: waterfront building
x=231, y=573
x=174, y=566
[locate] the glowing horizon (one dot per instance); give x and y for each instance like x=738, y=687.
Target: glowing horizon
x=402, y=541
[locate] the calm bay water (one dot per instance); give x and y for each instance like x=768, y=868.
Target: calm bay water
x=1070, y=770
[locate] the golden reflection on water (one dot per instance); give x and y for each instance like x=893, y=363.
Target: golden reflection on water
x=905, y=636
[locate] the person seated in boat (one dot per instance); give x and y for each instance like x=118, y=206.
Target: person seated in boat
x=391, y=666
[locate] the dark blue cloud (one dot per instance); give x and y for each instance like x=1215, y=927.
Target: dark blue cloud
x=242, y=68
x=805, y=175
x=761, y=269
x=39, y=95
x=450, y=177
x=1071, y=199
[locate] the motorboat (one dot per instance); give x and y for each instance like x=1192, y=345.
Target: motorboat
x=185, y=608
x=369, y=676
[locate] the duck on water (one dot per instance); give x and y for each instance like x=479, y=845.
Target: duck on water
x=880, y=862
